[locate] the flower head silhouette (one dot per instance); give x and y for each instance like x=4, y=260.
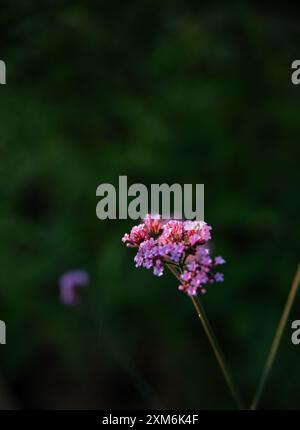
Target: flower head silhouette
x=69, y=285
x=182, y=244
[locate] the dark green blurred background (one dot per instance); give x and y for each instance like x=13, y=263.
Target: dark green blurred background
x=161, y=92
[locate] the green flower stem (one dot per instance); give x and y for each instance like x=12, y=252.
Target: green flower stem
x=277, y=339
x=214, y=343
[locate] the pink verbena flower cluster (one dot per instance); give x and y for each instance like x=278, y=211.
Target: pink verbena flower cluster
x=182, y=244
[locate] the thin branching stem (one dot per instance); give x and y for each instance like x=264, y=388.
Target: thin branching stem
x=217, y=350
x=214, y=343
x=277, y=339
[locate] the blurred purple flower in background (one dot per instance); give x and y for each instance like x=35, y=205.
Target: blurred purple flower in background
x=69, y=284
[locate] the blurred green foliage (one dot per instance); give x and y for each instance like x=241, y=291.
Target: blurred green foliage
x=160, y=92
